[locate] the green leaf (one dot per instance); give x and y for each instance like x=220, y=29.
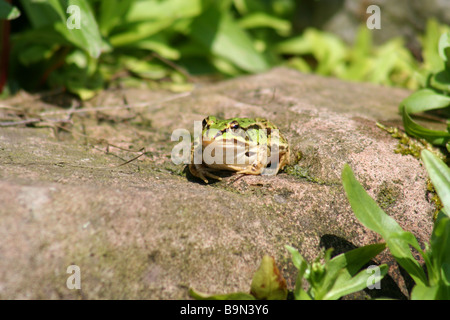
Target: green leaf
x=444, y=48
x=440, y=250
x=445, y=273
x=268, y=283
x=327, y=49
x=297, y=258
x=222, y=36
x=111, y=14
x=440, y=176
x=34, y=54
x=422, y=292
x=302, y=265
x=297, y=45
x=423, y=100
x=299, y=64
x=371, y=216
x=7, y=11
x=343, y=267
x=163, y=10
x=230, y=296
x=441, y=80
x=45, y=35
x=264, y=20
x=81, y=28
x=430, y=42
x=344, y=286
x=354, y=259
x=435, y=137
x=43, y=13
x=225, y=67
x=139, y=31
x=363, y=43
x=158, y=44
x=144, y=69
x=387, y=59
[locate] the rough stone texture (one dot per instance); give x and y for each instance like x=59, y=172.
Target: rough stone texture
x=146, y=230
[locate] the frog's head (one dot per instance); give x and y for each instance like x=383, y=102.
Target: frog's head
x=243, y=130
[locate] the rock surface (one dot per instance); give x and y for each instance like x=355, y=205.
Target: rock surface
x=146, y=230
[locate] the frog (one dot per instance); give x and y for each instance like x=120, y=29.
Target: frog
x=247, y=146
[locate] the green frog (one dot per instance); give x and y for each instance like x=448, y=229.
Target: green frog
x=241, y=145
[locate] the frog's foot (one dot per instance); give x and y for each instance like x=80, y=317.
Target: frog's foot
x=202, y=172
x=256, y=168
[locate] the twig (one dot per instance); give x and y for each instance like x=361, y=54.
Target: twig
x=10, y=108
x=127, y=162
x=33, y=120
x=18, y=123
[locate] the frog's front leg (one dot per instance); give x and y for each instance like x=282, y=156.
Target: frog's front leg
x=201, y=171
x=257, y=167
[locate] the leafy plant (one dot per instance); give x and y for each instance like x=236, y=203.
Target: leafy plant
x=165, y=42
x=330, y=280
x=435, y=283
x=56, y=52
x=151, y=39
x=388, y=64
x=337, y=276
x=435, y=95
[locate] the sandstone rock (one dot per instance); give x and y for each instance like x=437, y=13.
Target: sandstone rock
x=146, y=230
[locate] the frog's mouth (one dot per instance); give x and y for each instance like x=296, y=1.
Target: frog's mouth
x=225, y=154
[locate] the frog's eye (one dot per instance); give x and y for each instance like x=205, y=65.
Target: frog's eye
x=210, y=120
x=234, y=125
